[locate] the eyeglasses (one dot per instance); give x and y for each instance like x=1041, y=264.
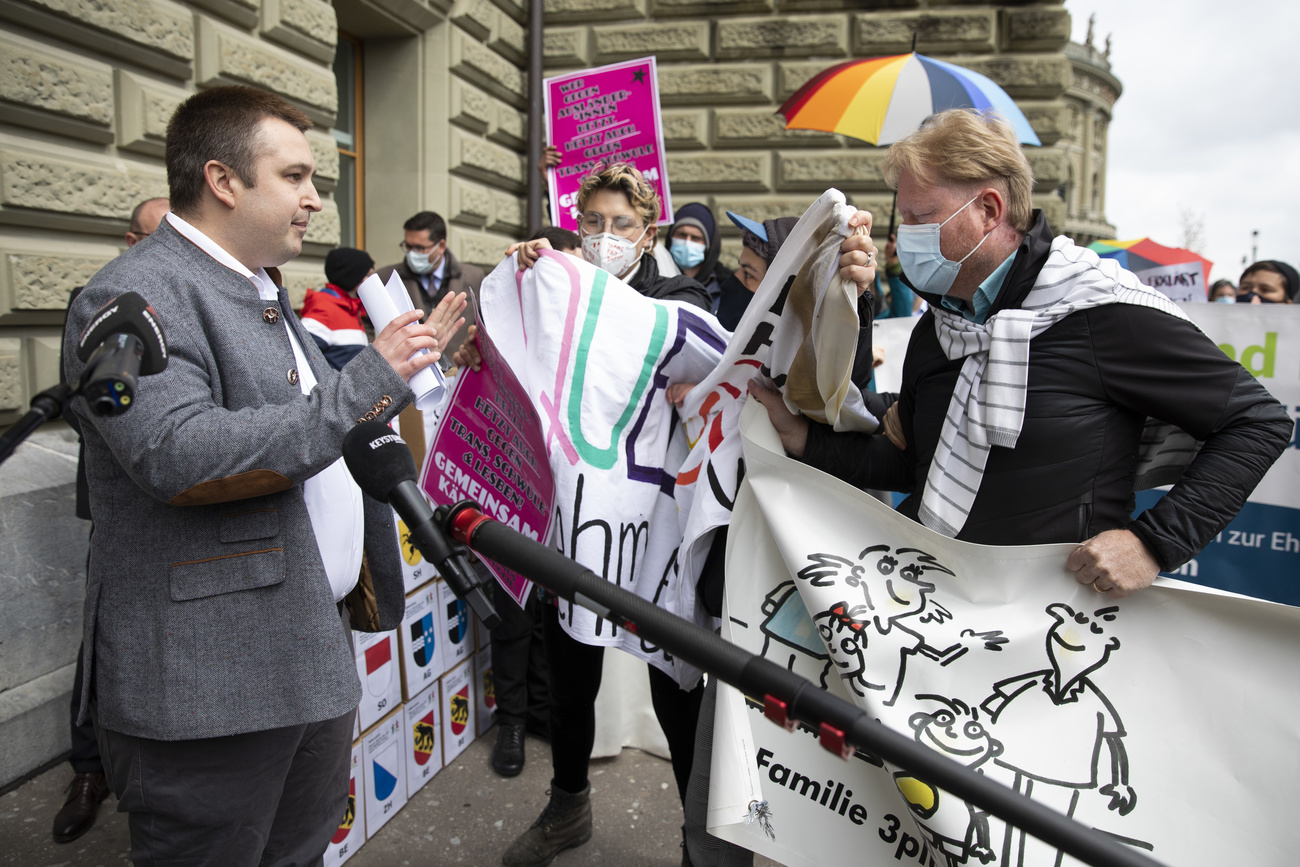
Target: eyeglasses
x=594, y=223
x=416, y=248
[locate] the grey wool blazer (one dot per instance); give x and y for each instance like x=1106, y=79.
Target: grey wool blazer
x=208, y=611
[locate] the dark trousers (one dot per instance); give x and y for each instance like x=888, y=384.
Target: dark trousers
x=519, y=663
x=272, y=798
x=85, y=747
x=575, y=671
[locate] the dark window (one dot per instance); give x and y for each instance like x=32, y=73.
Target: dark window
x=348, y=135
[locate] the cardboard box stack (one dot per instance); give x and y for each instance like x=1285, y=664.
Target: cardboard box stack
x=423, y=699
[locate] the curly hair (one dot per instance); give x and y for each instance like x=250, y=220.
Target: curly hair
x=627, y=180
x=961, y=146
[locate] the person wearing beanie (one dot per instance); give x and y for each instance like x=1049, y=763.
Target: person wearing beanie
x=332, y=316
x=695, y=245
x=1271, y=281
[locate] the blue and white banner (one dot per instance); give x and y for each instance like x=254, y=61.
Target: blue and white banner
x=1258, y=554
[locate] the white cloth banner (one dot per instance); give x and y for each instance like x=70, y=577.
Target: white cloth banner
x=595, y=357
x=1166, y=720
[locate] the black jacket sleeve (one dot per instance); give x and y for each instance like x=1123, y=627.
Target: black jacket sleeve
x=1168, y=369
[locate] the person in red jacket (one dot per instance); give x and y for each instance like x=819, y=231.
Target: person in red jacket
x=332, y=316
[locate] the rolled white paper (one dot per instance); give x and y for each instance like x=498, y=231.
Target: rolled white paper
x=385, y=303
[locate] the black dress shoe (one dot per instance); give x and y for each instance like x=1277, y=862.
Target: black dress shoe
x=77, y=815
x=508, y=754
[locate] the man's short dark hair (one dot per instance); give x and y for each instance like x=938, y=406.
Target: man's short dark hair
x=220, y=124
x=427, y=221
x=561, y=239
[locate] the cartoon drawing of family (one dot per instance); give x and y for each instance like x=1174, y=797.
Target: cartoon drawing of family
x=1051, y=733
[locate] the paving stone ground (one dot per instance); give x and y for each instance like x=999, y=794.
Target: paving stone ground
x=465, y=815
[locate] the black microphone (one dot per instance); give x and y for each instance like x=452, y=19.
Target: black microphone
x=123, y=342
x=382, y=465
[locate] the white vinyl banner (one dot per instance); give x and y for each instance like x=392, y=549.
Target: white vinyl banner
x=1166, y=720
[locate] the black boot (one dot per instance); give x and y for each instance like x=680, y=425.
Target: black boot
x=564, y=824
x=77, y=816
x=508, y=754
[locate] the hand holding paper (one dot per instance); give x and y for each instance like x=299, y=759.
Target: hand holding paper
x=412, y=348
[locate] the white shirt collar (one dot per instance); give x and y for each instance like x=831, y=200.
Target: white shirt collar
x=261, y=279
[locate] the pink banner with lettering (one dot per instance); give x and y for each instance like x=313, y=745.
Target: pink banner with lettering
x=489, y=449
x=604, y=115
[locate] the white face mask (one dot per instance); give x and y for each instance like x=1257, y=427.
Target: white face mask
x=419, y=262
x=611, y=253
x=923, y=264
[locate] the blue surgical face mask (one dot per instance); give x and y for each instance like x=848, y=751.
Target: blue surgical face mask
x=1226, y=299
x=923, y=264
x=687, y=254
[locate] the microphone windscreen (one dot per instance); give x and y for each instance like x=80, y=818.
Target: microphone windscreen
x=130, y=314
x=378, y=459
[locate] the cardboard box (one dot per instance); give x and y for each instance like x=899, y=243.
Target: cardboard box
x=458, y=702
x=380, y=669
x=351, y=833
x=486, y=702
x=416, y=571
x=385, y=771
x=423, y=735
x=457, y=627
x=421, y=640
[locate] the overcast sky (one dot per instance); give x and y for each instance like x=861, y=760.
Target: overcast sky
x=1209, y=121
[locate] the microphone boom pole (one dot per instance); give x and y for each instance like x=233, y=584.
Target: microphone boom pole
x=786, y=697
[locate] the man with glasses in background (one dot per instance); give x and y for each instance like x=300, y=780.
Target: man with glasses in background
x=429, y=271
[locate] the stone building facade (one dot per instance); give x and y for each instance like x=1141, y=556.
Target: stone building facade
x=418, y=104
x=427, y=112
x=725, y=66
x=1090, y=101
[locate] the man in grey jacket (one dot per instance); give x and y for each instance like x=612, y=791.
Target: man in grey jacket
x=228, y=531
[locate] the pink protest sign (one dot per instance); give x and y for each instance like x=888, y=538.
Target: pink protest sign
x=604, y=115
x=489, y=449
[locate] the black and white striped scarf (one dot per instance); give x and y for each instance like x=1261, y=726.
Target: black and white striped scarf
x=988, y=403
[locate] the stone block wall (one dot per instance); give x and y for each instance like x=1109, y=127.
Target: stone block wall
x=725, y=66
x=487, y=140
x=86, y=89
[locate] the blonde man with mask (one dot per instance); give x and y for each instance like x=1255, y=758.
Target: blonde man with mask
x=1030, y=381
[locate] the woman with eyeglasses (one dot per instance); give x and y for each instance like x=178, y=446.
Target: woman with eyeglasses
x=619, y=212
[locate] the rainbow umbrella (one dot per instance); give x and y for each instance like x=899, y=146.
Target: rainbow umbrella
x=883, y=99
x=1180, y=274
